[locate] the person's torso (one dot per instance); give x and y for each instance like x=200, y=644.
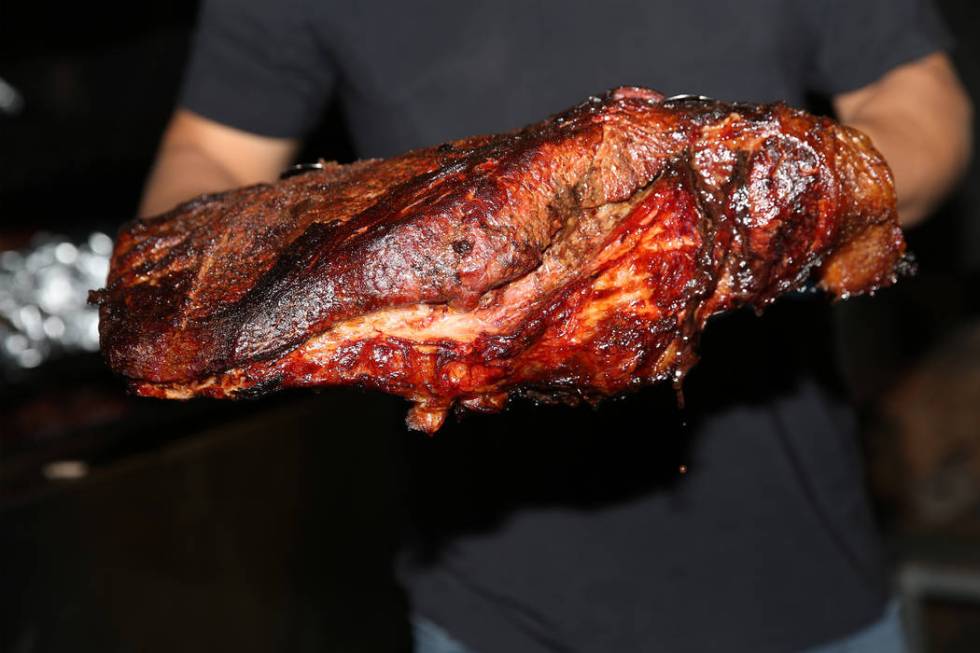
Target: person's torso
x=572, y=529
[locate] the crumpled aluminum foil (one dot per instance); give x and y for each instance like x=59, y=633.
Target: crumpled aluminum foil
x=44, y=310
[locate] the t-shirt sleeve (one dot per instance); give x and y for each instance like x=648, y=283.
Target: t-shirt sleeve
x=859, y=41
x=258, y=66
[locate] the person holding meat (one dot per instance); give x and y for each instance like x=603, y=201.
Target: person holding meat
x=571, y=530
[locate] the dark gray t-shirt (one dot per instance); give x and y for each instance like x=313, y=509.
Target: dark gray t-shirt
x=571, y=529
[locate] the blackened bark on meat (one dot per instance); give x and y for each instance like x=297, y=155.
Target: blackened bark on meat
x=572, y=260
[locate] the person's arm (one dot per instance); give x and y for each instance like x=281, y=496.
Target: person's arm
x=919, y=117
x=198, y=155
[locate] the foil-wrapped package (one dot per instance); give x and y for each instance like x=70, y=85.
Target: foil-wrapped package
x=44, y=310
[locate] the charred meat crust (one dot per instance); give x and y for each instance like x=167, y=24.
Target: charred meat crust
x=574, y=259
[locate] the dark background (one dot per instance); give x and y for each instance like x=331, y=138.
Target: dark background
x=268, y=525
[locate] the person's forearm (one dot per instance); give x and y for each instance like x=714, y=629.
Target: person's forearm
x=925, y=164
x=180, y=173
x=198, y=155
x=920, y=119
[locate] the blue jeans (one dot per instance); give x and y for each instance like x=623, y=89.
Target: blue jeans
x=430, y=638
x=883, y=636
